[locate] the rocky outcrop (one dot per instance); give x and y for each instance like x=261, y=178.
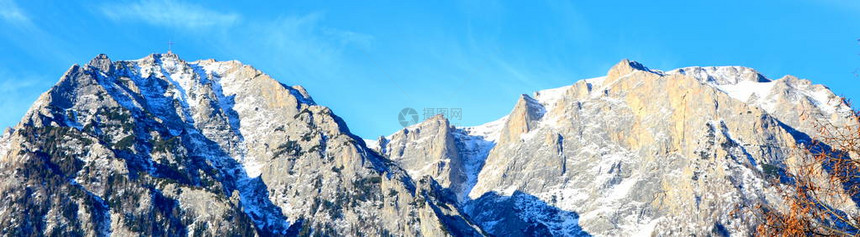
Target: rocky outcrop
x=428, y=149
x=523, y=119
x=451, y=156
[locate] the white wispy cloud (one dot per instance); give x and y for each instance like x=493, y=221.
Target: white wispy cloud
x=295, y=45
x=11, y=13
x=169, y=13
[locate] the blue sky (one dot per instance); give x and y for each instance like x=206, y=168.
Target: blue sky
x=368, y=60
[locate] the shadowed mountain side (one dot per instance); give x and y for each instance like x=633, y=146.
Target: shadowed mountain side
x=522, y=214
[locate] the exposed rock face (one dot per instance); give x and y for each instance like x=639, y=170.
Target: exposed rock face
x=641, y=152
x=434, y=148
x=160, y=146
x=523, y=119
x=797, y=102
x=429, y=149
x=661, y=151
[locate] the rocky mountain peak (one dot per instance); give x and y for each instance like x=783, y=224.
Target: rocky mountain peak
x=682, y=149
x=102, y=62
x=625, y=68
x=524, y=117
x=162, y=146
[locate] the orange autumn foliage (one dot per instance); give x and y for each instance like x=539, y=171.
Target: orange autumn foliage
x=827, y=177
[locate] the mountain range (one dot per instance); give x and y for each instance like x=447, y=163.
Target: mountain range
x=162, y=146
